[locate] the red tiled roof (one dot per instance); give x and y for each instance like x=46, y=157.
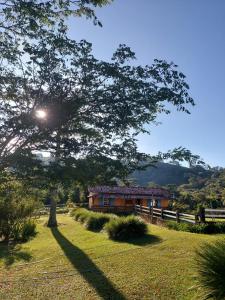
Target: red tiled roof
x=128, y=190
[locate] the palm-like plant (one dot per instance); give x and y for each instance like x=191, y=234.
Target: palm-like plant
x=210, y=264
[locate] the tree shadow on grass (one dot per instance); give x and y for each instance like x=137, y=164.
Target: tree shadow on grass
x=12, y=253
x=86, y=267
x=145, y=240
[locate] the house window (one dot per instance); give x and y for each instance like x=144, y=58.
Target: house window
x=106, y=202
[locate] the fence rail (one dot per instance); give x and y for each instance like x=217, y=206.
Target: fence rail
x=64, y=205
x=159, y=213
x=58, y=206
x=215, y=213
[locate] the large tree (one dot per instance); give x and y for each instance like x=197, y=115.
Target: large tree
x=23, y=26
x=56, y=96
x=65, y=101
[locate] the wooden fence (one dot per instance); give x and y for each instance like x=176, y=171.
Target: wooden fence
x=205, y=215
x=60, y=208
x=214, y=213
x=47, y=207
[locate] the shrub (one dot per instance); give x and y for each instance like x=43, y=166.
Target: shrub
x=199, y=228
x=79, y=212
x=178, y=226
x=73, y=211
x=172, y=225
x=28, y=230
x=17, y=205
x=210, y=265
x=206, y=228
x=23, y=231
x=184, y=227
x=84, y=216
x=125, y=228
x=92, y=220
x=96, y=221
x=221, y=227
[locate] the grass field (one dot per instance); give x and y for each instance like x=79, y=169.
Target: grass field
x=72, y=263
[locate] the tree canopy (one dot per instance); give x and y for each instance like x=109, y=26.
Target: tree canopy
x=93, y=107
x=55, y=96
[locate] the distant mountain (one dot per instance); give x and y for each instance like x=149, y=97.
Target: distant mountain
x=167, y=173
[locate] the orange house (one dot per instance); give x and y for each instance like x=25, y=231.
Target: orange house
x=123, y=199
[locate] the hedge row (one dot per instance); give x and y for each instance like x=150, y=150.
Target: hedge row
x=207, y=228
x=92, y=220
x=117, y=228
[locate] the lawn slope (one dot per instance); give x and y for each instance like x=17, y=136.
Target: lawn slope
x=72, y=263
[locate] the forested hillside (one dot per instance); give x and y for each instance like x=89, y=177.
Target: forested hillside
x=167, y=173
x=189, y=187
x=209, y=188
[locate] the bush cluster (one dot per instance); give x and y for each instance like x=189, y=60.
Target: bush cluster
x=125, y=228
x=24, y=231
x=21, y=230
x=117, y=228
x=207, y=228
x=97, y=221
x=17, y=206
x=92, y=220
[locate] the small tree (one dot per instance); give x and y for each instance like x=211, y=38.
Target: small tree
x=74, y=194
x=56, y=96
x=94, y=109
x=17, y=204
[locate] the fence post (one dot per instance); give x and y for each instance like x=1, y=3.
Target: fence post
x=196, y=218
x=152, y=212
x=149, y=214
x=177, y=216
x=140, y=210
x=162, y=213
x=202, y=214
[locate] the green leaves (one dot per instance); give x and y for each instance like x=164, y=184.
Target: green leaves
x=94, y=109
x=183, y=154
x=210, y=266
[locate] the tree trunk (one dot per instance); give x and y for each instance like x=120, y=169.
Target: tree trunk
x=52, y=222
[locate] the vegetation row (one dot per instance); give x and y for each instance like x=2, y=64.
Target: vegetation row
x=206, y=228
x=117, y=228
x=92, y=220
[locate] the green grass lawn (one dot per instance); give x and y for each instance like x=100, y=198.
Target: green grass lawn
x=72, y=263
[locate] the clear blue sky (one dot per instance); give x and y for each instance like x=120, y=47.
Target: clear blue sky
x=190, y=33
